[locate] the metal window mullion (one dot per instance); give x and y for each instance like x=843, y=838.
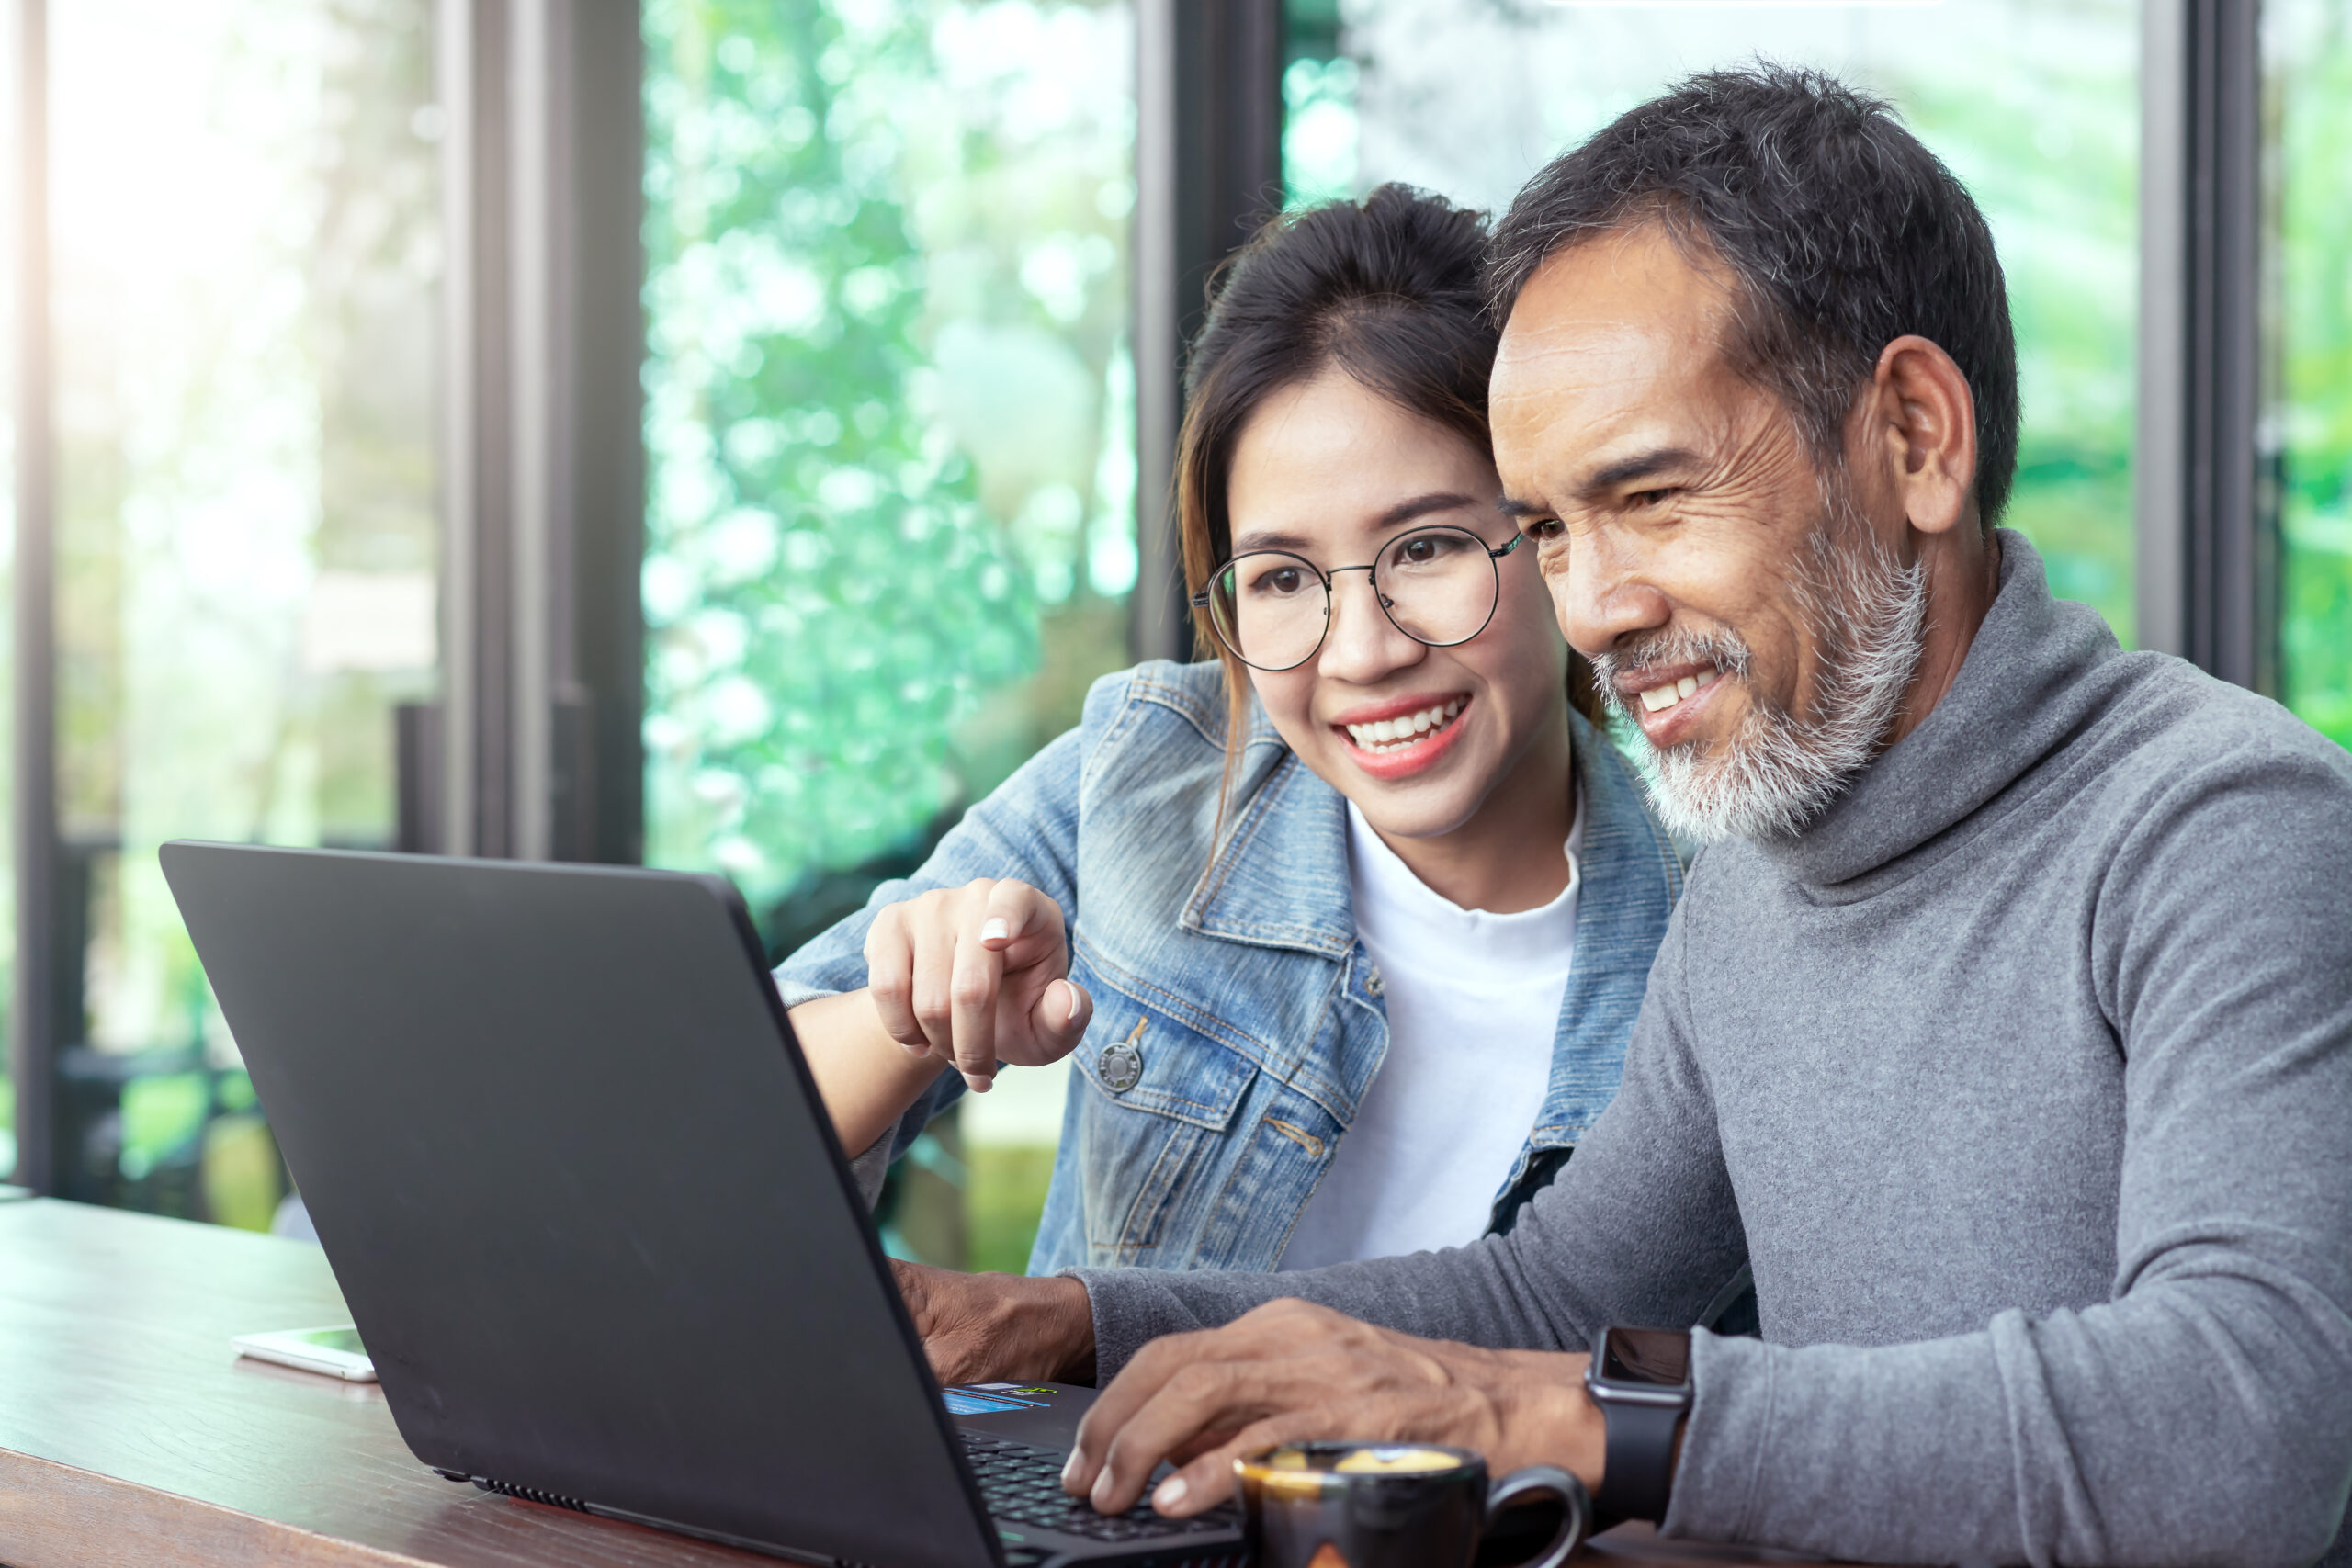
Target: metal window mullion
x=2227, y=624
x=1156, y=346
x=479, y=460
x=597, y=545
x=491, y=364
x=2159, y=472
x=1208, y=165
x=455, y=70
x=33, y=752
x=1153, y=616
x=544, y=427
x=531, y=312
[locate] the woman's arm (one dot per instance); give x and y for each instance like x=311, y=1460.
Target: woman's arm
x=957, y=979
x=1026, y=831
x=867, y=1079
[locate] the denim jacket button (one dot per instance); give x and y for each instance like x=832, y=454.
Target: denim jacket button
x=1371, y=986
x=1121, y=1065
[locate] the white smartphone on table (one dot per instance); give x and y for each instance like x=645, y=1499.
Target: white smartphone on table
x=335, y=1351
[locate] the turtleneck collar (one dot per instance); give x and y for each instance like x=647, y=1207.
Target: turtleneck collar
x=2021, y=691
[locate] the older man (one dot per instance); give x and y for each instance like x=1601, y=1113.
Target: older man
x=2005, y=1032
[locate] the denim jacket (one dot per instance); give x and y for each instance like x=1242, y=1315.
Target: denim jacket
x=1237, y=1021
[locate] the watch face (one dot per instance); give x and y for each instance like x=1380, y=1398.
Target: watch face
x=1657, y=1356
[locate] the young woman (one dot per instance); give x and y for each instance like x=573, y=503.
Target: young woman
x=1347, y=931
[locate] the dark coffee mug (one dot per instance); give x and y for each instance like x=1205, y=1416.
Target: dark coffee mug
x=1392, y=1506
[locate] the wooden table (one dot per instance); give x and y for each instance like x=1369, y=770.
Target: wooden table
x=132, y=1434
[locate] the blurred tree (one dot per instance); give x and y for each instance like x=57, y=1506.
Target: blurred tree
x=823, y=596
x=890, y=416
x=2051, y=151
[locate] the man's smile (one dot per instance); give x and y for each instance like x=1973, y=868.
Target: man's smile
x=1669, y=700
x=1661, y=688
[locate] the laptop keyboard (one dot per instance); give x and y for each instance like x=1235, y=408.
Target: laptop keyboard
x=1023, y=1486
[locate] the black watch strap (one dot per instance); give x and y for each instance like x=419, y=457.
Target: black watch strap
x=1637, y=1468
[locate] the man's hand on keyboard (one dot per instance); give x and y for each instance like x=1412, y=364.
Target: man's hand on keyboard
x=998, y=1327
x=1291, y=1372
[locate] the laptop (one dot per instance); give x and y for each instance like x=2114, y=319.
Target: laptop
x=591, y=1221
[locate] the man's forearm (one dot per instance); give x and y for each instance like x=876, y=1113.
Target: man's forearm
x=989, y=1327
x=1463, y=1294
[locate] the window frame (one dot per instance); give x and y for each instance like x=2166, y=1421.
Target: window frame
x=535, y=749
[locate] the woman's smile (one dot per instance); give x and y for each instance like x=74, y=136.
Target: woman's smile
x=1403, y=736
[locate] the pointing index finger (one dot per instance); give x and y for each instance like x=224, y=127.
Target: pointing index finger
x=976, y=977
x=1004, y=915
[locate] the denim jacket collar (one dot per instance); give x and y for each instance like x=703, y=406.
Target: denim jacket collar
x=1280, y=879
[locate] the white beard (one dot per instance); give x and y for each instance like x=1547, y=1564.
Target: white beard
x=1868, y=615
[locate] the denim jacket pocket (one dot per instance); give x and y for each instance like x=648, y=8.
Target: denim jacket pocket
x=1153, y=1101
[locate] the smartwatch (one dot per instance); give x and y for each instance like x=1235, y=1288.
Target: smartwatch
x=1641, y=1379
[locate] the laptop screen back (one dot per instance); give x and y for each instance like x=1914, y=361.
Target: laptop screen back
x=577, y=1191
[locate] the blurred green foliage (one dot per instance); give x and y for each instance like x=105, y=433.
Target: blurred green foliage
x=2309, y=59
x=160, y=1112
x=823, y=597
x=887, y=408
x=2052, y=153
x=1005, y=1196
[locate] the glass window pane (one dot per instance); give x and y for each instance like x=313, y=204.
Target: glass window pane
x=2033, y=103
x=244, y=253
x=2307, y=46
x=890, y=434
x=890, y=416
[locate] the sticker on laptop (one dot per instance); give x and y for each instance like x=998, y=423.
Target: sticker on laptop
x=971, y=1401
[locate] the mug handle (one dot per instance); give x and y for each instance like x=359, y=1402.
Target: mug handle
x=1576, y=1508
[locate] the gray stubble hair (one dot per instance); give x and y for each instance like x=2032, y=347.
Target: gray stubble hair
x=1776, y=776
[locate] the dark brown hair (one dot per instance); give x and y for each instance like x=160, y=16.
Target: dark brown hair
x=1389, y=289
x=1841, y=232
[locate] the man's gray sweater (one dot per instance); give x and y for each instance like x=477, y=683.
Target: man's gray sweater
x=2023, y=1080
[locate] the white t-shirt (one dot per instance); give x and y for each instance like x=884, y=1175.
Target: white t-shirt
x=1473, y=1007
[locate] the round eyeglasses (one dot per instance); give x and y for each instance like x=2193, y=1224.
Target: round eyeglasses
x=1436, y=585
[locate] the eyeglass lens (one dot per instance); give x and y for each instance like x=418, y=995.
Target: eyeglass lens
x=1437, y=586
